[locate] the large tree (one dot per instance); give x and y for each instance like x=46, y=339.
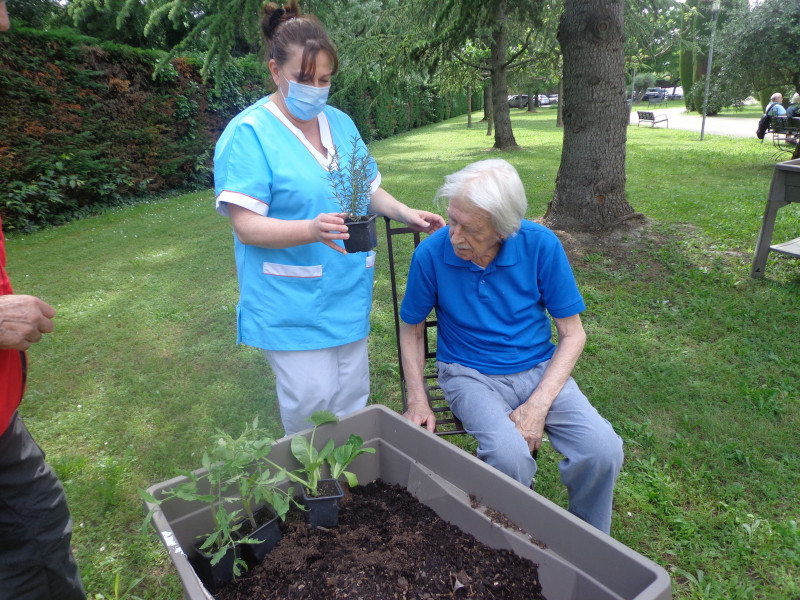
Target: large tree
x=590, y=187
x=759, y=48
x=458, y=22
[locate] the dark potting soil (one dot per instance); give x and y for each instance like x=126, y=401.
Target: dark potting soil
x=387, y=545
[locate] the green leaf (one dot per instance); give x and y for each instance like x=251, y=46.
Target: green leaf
x=321, y=417
x=352, y=480
x=302, y=450
x=148, y=497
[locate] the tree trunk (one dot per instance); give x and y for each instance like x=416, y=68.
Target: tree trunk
x=503, y=133
x=560, y=108
x=590, y=186
x=469, y=107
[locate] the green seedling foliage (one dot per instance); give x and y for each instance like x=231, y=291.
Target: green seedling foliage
x=342, y=456
x=338, y=458
x=235, y=471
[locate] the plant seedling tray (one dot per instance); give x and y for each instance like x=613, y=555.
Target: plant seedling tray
x=576, y=561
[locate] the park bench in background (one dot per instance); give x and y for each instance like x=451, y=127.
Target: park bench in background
x=651, y=101
x=649, y=117
x=785, y=132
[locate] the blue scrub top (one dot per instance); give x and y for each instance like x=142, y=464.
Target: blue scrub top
x=305, y=297
x=495, y=319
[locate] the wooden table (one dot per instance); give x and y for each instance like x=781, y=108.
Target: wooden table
x=785, y=189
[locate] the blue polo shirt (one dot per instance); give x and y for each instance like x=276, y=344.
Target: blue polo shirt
x=494, y=320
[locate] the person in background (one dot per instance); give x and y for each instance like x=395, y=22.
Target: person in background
x=775, y=108
x=794, y=107
x=36, y=561
x=303, y=299
x=497, y=283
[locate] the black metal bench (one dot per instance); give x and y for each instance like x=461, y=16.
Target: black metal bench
x=785, y=132
x=446, y=422
x=651, y=101
x=652, y=118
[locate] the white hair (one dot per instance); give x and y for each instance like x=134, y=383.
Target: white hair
x=494, y=186
x=776, y=97
x=795, y=98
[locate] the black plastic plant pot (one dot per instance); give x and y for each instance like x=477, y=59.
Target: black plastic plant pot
x=363, y=235
x=323, y=511
x=268, y=533
x=214, y=576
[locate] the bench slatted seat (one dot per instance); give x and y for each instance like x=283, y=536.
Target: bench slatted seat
x=652, y=118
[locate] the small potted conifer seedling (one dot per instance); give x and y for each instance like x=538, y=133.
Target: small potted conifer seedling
x=350, y=178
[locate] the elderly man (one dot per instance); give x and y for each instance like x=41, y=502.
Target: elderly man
x=492, y=278
x=775, y=108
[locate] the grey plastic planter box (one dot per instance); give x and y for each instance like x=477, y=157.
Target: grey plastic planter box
x=576, y=562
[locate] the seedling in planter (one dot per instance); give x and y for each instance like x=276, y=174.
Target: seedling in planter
x=351, y=181
x=338, y=458
x=235, y=471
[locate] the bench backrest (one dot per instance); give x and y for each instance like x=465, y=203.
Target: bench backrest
x=779, y=123
x=645, y=116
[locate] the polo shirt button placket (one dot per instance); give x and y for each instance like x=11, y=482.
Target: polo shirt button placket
x=482, y=291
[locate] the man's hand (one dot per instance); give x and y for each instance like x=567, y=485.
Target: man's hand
x=23, y=320
x=421, y=414
x=529, y=420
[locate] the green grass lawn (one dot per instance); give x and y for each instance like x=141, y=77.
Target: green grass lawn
x=692, y=360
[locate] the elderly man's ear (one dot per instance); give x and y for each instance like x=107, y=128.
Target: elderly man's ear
x=4, y=23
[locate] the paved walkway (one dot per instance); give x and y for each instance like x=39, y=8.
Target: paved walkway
x=680, y=119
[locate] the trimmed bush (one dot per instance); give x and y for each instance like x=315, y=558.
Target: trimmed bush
x=85, y=125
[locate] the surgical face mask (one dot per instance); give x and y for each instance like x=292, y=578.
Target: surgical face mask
x=305, y=101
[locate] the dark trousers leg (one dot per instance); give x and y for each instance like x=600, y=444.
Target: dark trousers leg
x=36, y=561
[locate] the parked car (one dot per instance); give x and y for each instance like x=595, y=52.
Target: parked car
x=675, y=93
x=654, y=93
x=553, y=98
x=518, y=101
x=544, y=100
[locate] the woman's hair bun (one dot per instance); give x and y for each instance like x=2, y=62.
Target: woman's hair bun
x=274, y=16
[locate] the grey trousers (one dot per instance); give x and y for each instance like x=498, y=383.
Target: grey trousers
x=591, y=449
x=36, y=561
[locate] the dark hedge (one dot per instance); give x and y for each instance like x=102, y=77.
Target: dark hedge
x=83, y=124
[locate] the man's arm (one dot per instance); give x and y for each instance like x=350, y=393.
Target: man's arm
x=530, y=416
x=23, y=320
x=4, y=22
x=412, y=349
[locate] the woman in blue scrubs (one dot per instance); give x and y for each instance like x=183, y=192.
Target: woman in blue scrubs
x=303, y=299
